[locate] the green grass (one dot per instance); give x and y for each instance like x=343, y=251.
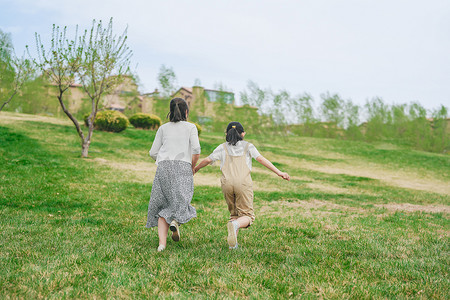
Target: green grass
x=73, y=227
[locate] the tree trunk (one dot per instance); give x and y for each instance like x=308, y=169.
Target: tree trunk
x=85, y=148
x=87, y=140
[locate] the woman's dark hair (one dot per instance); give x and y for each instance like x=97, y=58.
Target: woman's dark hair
x=234, y=131
x=178, y=109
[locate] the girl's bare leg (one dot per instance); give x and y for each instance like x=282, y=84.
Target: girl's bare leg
x=163, y=229
x=242, y=221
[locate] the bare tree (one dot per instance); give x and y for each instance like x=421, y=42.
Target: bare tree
x=105, y=59
x=60, y=65
x=98, y=59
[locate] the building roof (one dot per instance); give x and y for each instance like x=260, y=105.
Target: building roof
x=209, y=90
x=189, y=90
x=116, y=106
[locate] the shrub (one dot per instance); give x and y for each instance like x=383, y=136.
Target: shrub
x=199, y=128
x=111, y=120
x=145, y=121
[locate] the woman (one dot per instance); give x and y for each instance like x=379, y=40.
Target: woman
x=176, y=149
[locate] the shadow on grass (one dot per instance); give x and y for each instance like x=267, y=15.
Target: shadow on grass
x=34, y=177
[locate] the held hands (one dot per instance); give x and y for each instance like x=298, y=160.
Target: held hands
x=194, y=170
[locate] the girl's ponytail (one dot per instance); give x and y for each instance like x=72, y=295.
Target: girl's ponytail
x=178, y=110
x=234, y=133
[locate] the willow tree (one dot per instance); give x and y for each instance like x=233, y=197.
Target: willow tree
x=98, y=59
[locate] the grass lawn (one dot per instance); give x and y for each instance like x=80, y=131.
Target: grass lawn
x=357, y=220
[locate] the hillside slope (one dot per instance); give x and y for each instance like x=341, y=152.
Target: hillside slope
x=356, y=220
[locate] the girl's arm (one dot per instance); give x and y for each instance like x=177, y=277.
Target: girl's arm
x=271, y=167
x=202, y=164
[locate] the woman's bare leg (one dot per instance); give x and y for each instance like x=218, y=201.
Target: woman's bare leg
x=163, y=229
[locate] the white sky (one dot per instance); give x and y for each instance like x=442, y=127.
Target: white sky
x=398, y=50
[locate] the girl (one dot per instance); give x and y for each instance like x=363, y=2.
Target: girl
x=236, y=163
x=176, y=149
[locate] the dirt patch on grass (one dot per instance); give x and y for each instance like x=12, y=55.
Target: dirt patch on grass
x=415, y=207
x=313, y=207
x=319, y=204
x=398, y=178
x=328, y=188
x=394, y=178
x=207, y=179
x=8, y=117
x=144, y=172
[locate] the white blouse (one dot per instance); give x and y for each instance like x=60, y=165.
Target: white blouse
x=238, y=150
x=175, y=141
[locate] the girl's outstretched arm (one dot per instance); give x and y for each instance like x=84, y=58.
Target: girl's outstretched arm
x=266, y=163
x=202, y=164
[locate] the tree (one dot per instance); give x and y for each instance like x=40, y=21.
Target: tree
x=105, y=59
x=6, y=52
x=256, y=97
x=399, y=120
x=302, y=106
x=279, y=109
x=23, y=68
x=352, y=120
x=197, y=82
x=273, y=108
x=167, y=80
x=419, y=129
x=440, y=139
x=14, y=71
x=98, y=59
x=332, y=109
x=379, y=116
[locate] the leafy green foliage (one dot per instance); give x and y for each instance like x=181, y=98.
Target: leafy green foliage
x=111, y=120
x=14, y=71
x=145, y=121
x=6, y=56
x=332, y=108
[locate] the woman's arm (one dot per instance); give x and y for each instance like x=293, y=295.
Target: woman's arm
x=194, y=141
x=195, y=146
x=157, y=143
x=202, y=164
x=195, y=158
x=271, y=167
